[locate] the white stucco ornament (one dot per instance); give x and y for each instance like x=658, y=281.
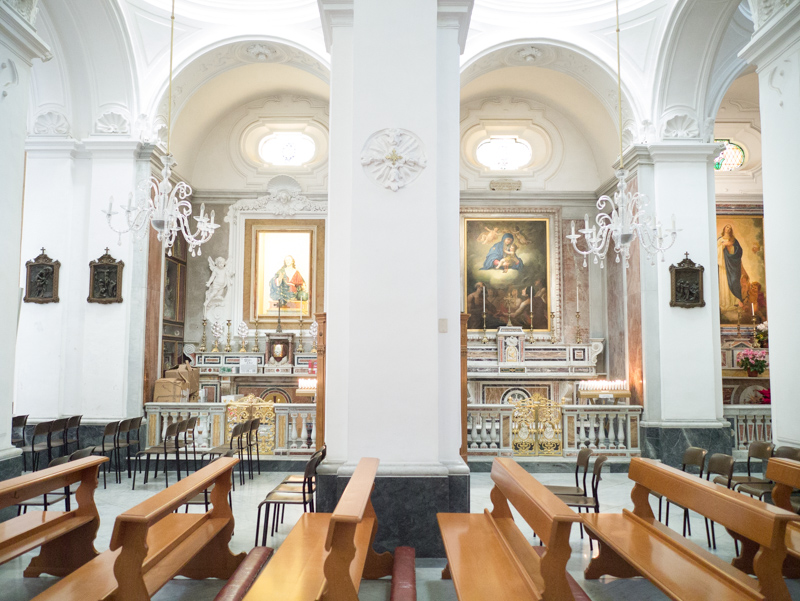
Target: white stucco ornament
x=393, y=158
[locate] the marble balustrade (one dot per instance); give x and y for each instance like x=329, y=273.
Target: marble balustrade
x=295, y=428
x=489, y=430
x=210, y=430
x=750, y=423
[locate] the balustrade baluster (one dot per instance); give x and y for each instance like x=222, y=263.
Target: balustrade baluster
x=612, y=434
x=493, y=436
x=484, y=432
x=592, y=434
x=295, y=430
x=475, y=444
x=623, y=426
x=768, y=427
x=582, y=428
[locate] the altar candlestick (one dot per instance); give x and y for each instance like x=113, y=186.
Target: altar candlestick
x=531, y=299
x=577, y=297
x=753, y=307
x=110, y=205
x=484, y=299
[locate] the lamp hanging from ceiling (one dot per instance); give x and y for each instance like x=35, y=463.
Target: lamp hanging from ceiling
x=164, y=206
x=626, y=218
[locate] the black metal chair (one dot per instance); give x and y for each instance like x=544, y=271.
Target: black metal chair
x=583, y=462
x=18, y=422
x=720, y=464
x=692, y=457
x=189, y=438
x=121, y=444
x=40, y=430
x=72, y=434
x=756, y=450
x=108, y=445
x=133, y=438
x=236, y=443
x=300, y=478
x=204, y=498
x=168, y=445
x=56, y=439
x=49, y=498
x=288, y=494
x=762, y=489
x=252, y=444
x=582, y=501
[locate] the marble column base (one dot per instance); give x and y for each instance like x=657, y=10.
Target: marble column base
x=669, y=444
x=10, y=467
x=406, y=508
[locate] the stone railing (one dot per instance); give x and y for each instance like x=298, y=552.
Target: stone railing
x=210, y=430
x=489, y=430
x=750, y=423
x=610, y=429
x=295, y=428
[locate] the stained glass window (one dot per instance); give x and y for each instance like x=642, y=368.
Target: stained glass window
x=504, y=153
x=286, y=148
x=731, y=158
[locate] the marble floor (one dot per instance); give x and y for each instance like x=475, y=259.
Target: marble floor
x=614, y=495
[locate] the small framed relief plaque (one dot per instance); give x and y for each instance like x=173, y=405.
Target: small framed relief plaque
x=686, y=284
x=41, y=280
x=105, y=280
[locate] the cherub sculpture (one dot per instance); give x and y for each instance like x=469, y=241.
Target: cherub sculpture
x=218, y=284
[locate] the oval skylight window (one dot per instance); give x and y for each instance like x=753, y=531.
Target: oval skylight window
x=731, y=158
x=504, y=153
x=287, y=148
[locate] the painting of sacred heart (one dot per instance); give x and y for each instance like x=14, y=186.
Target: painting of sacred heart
x=283, y=267
x=742, y=276
x=507, y=272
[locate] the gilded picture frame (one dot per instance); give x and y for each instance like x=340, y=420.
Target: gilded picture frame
x=105, y=280
x=41, y=280
x=509, y=259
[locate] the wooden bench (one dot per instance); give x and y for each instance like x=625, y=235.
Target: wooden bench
x=489, y=557
x=636, y=544
x=66, y=538
x=326, y=555
x=785, y=473
x=150, y=544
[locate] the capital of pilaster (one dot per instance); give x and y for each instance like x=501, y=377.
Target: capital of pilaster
x=780, y=33
x=110, y=148
x=21, y=37
x=456, y=14
x=684, y=152
x=53, y=147
x=334, y=13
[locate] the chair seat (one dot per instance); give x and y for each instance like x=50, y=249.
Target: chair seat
x=737, y=480
x=52, y=499
x=292, y=487
x=293, y=479
x=577, y=500
x=158, y=450
x=756, y=489
x=38, y=447
x=565, y=490
x=289, y=498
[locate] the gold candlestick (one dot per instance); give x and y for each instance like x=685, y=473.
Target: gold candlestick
x=553, y=327
x=228, y=345
x=203, y=339
x=243, y=347
x=254, y=348
x=739, y=321
x=300, y=336
x=531, y=333
x=578, y=339
x=215, y=348
x=485, y=339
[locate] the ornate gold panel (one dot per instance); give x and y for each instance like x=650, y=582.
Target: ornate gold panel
x=250, y=407
x=536, y=427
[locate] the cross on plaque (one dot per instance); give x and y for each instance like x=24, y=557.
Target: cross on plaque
x=394, y=157
x=509, y=303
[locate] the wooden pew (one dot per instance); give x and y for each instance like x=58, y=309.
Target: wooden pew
x=150, y=544
x=489, y=557
x=66, y=538
x=636, y=544
x=326, y=555
x=785, y=473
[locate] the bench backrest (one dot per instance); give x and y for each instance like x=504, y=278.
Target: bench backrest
x=168, y=500
x=540, y=508
x=785, y=473
x=761, y=523
x=28, y=486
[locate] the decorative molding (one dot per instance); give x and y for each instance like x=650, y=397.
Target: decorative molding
x=455, y=14
x=9, y=77
x=20, y=37
x=112, y=123
x=334, y=13
x=27, y=9
x=51, y=123
x=393, y=157
x=505, y=184
x=283, y=199
x=764, y=10
x=681, y=127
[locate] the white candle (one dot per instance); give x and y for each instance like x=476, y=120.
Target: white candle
x=573, y=228
x=753, y=307
x=531, y=300
x=673, y=222
x=586, y=222
x=484, y=299
x=110, y=201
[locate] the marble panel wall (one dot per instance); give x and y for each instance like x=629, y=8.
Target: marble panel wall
x=617, y=369
x=576, y=281
x=634, y=323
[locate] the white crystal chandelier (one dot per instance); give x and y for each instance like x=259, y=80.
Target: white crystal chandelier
x=164, y=206
x=627, y=218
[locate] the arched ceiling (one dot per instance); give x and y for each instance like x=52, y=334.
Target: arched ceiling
x=562, y=92
x=229, y=90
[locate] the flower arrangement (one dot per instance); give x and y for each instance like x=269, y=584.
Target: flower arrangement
x=752, y=361
x=762, y=334
x=766, y=396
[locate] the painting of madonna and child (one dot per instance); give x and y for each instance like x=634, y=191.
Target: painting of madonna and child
x=506, y=261
x=740, y=260
x=283, y=273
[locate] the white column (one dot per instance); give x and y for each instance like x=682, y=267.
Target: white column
x=19, y=45
x=681, y=347
x=775, y=50
x=393, y=263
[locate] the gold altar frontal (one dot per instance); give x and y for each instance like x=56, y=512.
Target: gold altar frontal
x=248, y=408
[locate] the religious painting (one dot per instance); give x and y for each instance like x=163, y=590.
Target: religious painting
x=41, y=281
x=105, y=280
x=742, y=275
x=507, y=272
x=283, y=273
x=686, y=284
